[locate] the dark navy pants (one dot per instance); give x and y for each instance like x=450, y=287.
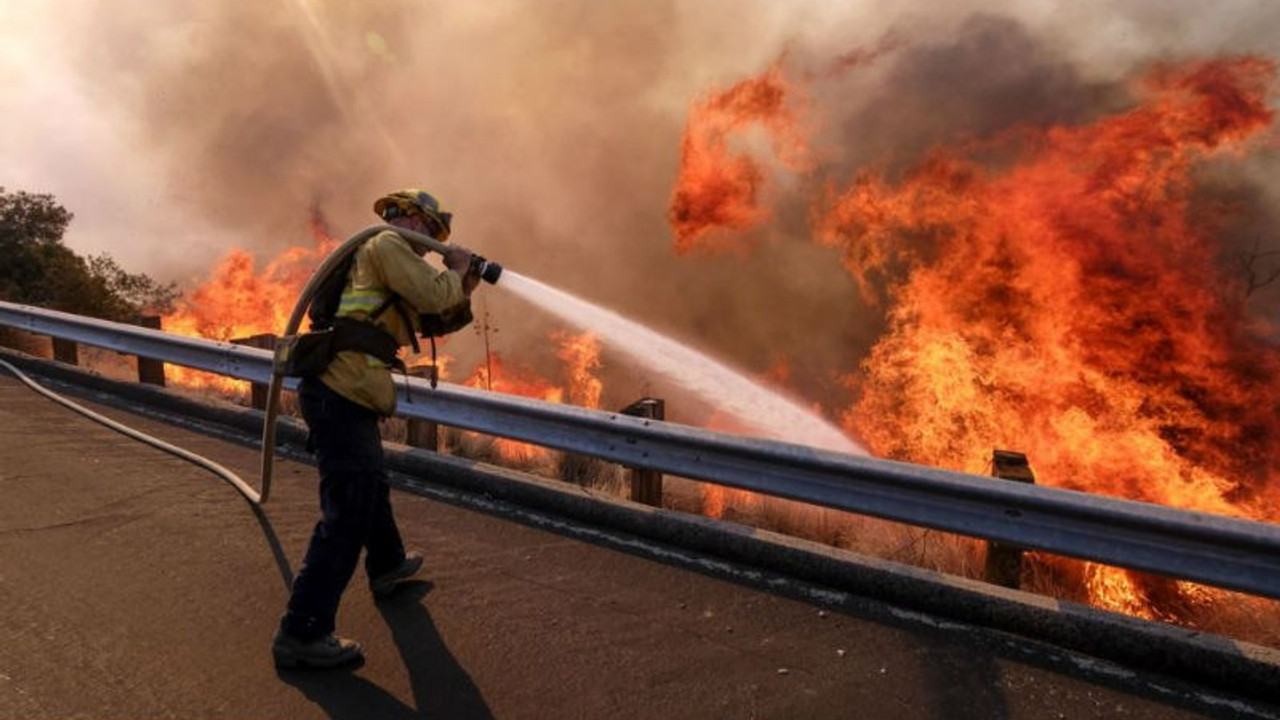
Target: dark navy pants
x=355, y=505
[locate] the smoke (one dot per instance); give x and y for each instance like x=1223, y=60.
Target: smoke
x=178, y=130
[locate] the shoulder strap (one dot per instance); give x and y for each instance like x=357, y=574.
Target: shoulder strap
x=408, y=323
x=383, y=307
x=404, y=317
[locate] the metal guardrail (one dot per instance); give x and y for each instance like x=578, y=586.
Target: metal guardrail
x=1225, y=552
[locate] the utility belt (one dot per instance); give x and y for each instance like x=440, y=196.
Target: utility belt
x=365, y=337
x=309, y=354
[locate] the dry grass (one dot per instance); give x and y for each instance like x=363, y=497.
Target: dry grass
x=1243, y=617
x=885, y=539
x=40, y=346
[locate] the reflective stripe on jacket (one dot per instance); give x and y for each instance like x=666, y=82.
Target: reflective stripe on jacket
x=383, y=265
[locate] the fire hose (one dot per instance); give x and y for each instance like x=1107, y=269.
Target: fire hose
x=153, y=441
x=487, y=270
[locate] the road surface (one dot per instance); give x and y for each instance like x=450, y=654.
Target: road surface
x=133, y=584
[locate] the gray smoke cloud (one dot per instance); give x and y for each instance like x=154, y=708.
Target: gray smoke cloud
x=552, y=129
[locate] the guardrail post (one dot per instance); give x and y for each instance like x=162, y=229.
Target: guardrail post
x=1004, y=562
x=422, y=433
x=150, y=371
x=646, y=483
x=258, y=391
x=66, y=351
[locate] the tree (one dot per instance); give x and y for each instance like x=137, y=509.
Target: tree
x=139, y=292
x=28, y=220
x=37, y=269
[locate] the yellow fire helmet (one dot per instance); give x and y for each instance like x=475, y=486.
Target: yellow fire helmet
x=404, y=203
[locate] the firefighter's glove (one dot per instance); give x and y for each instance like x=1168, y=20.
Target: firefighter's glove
x=470, y=279
x=457, y=259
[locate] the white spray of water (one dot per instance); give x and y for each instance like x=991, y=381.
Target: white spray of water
x=750, y=403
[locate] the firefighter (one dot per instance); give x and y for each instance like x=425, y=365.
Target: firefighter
x=342, y=407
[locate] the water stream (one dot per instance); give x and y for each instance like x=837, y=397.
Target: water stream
x=766, y=411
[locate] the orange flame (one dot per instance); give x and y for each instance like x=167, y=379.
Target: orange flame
x=497, y=376
x=513, y=381
x=718, y=187
x=720, y=179
x=1068, y=305
x=1052, y=291
x=238, y=302
x=581, y=356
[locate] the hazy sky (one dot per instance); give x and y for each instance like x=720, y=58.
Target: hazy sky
x=177, y=129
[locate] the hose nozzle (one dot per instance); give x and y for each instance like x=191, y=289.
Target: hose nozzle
x=488, y=270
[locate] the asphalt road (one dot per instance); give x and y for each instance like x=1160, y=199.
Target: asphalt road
x=133, y=584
